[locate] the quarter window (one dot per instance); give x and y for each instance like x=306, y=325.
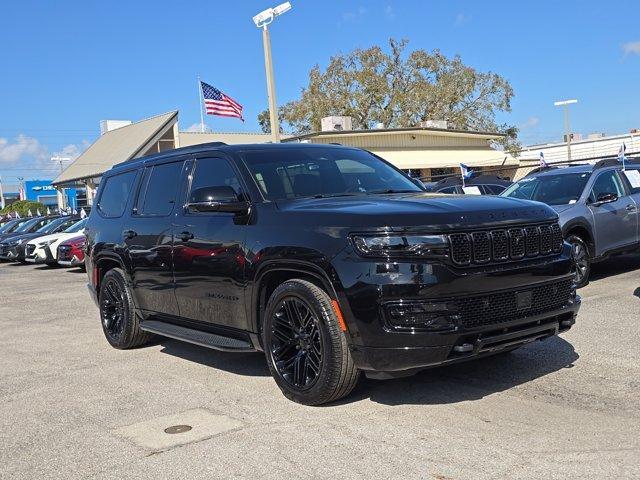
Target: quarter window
x=115, y=194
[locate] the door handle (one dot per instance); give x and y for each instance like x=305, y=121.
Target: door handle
x=185, y=236
x=129, y=234
x=630, y=208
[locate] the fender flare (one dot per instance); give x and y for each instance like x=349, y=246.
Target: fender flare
x=269, y=266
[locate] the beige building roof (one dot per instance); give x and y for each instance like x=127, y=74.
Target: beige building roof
x=119, y=145
x=196, y=138
x=421, y=148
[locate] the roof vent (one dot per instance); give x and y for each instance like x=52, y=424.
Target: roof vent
x=108, y=125
x=441, y=124
x=335, y=123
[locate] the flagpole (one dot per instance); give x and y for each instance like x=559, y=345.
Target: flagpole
x=201, y=105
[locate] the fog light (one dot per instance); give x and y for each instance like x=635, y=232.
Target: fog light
x=419, y=315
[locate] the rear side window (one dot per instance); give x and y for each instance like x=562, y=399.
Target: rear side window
x=159, y=189
x=115, y=194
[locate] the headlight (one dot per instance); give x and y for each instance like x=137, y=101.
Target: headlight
x=401, y=245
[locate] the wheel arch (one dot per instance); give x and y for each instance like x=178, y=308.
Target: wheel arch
x=275, y=273
x=584, y=231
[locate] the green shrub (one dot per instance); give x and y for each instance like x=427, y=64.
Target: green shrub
x=23, y=206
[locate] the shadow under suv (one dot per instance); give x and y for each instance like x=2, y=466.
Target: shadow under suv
x=327, y=258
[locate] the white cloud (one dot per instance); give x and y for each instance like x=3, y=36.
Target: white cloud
x=462, y=19
x=389, y=12
x=631, y=48
x=355, y=15
x=196, y=128
x=22, y=147
x=72, y=150
x=531, y=122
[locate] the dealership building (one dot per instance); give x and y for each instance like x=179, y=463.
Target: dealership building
x=426, y=152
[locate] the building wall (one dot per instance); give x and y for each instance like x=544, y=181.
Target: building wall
x=42, y=191
x=582, y=149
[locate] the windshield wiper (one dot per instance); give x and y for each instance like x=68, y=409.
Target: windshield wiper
x=391, y=190
x=331, y=195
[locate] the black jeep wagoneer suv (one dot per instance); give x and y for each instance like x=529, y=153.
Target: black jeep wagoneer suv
x=327, y=258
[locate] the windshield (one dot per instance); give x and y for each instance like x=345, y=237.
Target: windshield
x=76, y=227
x=10, y=225
x=26, y=226
x=323, y=172
x=51, y=226
x=560, y=189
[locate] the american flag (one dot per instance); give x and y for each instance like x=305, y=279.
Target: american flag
x=217, y=103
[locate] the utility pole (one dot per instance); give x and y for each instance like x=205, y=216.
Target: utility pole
x=262, y=20
x=567, y=128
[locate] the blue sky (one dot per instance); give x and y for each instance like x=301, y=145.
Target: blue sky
x=66, y=65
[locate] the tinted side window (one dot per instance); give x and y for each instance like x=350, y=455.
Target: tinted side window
x=160, y=189
x=214, y=172
x=115, y=194
x=607, y=182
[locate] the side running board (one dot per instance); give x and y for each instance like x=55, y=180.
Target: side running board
x=197, y=337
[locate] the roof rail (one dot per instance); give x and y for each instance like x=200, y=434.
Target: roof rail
x=614, y=162
x=541, y=169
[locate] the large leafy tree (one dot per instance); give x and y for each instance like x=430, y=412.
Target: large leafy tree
x=400, y=89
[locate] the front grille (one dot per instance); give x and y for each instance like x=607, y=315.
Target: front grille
x=501, y=245
x=63, y=252
x=30, y=249
x=502, y=307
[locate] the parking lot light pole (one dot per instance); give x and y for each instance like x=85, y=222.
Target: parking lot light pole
x=567, y=128
x=262, y=20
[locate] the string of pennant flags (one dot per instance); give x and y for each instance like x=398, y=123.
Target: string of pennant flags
x=63, y=212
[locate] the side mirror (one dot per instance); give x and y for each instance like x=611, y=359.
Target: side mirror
x=217, y=199
x=605, y=198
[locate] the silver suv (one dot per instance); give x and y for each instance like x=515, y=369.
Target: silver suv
x=598, y=205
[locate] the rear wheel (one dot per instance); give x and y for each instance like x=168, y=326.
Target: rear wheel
x=306, y=350
x=120, y=323
x=581, y=258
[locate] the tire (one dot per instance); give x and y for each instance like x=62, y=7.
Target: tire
x=314, y=367
x=120, y=323
x=582, y=259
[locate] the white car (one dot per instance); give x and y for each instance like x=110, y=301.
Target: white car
x=45, y=249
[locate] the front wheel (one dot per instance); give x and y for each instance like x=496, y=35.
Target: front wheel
x=306, y=350
x=581, y=259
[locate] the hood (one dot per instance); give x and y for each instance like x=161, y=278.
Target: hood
x=15, y=237
x=416, y=209
x=55, y=237
x=562, y=208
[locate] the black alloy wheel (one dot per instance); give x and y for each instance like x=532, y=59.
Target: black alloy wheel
x=307, y=350
x=296, y=343
x=581, y=259
x=112, y=309
x=120, y=322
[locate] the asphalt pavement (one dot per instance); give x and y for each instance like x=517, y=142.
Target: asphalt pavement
x=73, y=407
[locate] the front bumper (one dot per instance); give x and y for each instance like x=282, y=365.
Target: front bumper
x=72, y=262
x=400, y=361
x=41, y=255
x=483, y=310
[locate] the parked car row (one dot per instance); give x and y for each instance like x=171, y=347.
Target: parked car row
x=50, y=239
